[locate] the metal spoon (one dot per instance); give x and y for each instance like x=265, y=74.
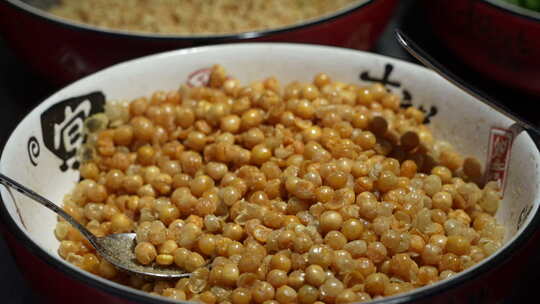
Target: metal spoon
x=117, y=249
x=415, y=50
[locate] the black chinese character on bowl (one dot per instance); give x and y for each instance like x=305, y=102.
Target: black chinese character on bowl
x=62, y=126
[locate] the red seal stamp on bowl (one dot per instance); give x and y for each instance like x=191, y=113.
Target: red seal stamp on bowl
x=199, y=78
x=500, y=146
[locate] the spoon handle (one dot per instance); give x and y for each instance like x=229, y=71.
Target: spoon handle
x=8, y=182
x=430, y=62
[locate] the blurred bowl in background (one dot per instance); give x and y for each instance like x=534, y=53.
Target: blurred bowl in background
x=64, y=51
x=496, y=38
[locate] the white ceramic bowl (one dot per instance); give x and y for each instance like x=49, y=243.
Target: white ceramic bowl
x=40, y=152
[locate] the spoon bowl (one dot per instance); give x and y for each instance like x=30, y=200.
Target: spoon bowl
x=117, y=249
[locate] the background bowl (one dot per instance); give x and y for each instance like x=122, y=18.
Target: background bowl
x=64, y=51
x=497, y=39
x=40, y=154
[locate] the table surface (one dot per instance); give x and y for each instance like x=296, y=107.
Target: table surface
x=21, y=90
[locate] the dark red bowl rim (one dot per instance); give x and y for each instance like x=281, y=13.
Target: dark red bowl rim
x=19, y=5
x=497, y=260
x=514, y=10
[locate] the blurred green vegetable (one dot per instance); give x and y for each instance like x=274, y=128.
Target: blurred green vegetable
x=530, y=4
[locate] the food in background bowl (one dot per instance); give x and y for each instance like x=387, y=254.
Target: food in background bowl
x=322, y=191
x=47, y=162
x=64, y=50
x=196, y=17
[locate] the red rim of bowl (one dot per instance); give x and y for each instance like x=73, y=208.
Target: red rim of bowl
x=514, y=9
x=29, y=9
x=500, y=258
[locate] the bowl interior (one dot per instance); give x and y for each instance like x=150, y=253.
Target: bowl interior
x=41, y=151
x=42, y=4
